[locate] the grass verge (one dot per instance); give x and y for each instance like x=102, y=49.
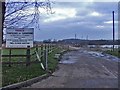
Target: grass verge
x=19, y=73
x=115, y=53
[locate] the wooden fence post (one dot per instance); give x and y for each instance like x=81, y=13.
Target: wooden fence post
x=52, y=47
x=28, y=56
x=46, y=58
x=68, y=48
x=45, y=46
x=37, y=48
x=10, y=58
x=48, y=48
x=42, y=52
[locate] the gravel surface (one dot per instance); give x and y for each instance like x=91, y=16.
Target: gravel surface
x=79, y=69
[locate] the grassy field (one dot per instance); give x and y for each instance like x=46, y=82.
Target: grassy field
x=17, y=52
x=115, y=53
x=18, y=73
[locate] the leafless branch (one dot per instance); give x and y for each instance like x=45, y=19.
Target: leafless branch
x=16, y=12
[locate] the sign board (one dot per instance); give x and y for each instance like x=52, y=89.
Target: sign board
x=19, y=37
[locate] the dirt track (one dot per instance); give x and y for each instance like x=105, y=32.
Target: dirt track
x=79, y=69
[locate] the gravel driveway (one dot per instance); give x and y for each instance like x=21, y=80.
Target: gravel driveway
x=79, y=69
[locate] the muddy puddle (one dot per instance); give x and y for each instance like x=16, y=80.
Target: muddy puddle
x=103, y=55
x=68, y=58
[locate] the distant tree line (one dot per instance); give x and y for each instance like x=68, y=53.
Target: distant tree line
x=89, y=42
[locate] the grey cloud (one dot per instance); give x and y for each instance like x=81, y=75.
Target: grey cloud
x=82, y=24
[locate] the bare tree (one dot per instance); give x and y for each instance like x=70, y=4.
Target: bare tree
x=18, y=14
x=2, y=14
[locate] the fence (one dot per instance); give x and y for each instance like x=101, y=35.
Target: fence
x=29, y=54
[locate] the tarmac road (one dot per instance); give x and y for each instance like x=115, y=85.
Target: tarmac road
x=79, y=69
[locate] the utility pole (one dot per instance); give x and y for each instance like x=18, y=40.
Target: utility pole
x=75, y=36
x=87, y=37
x=119, y=32
x=113, y=31
x=82, y=37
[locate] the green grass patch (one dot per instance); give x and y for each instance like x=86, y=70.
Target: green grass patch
x=17, y=51
x=115, y=53
x=19, y=73
x=52, y=62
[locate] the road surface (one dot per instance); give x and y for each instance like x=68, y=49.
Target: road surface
x=80, y=69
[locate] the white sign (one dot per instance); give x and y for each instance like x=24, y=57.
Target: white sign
x=19, y=37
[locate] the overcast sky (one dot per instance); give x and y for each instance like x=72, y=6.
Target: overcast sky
x=92, y=19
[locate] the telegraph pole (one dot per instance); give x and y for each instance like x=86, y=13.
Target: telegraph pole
x=113, y=31
x=119, y=31
x=87, y=37
x=75, y=36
